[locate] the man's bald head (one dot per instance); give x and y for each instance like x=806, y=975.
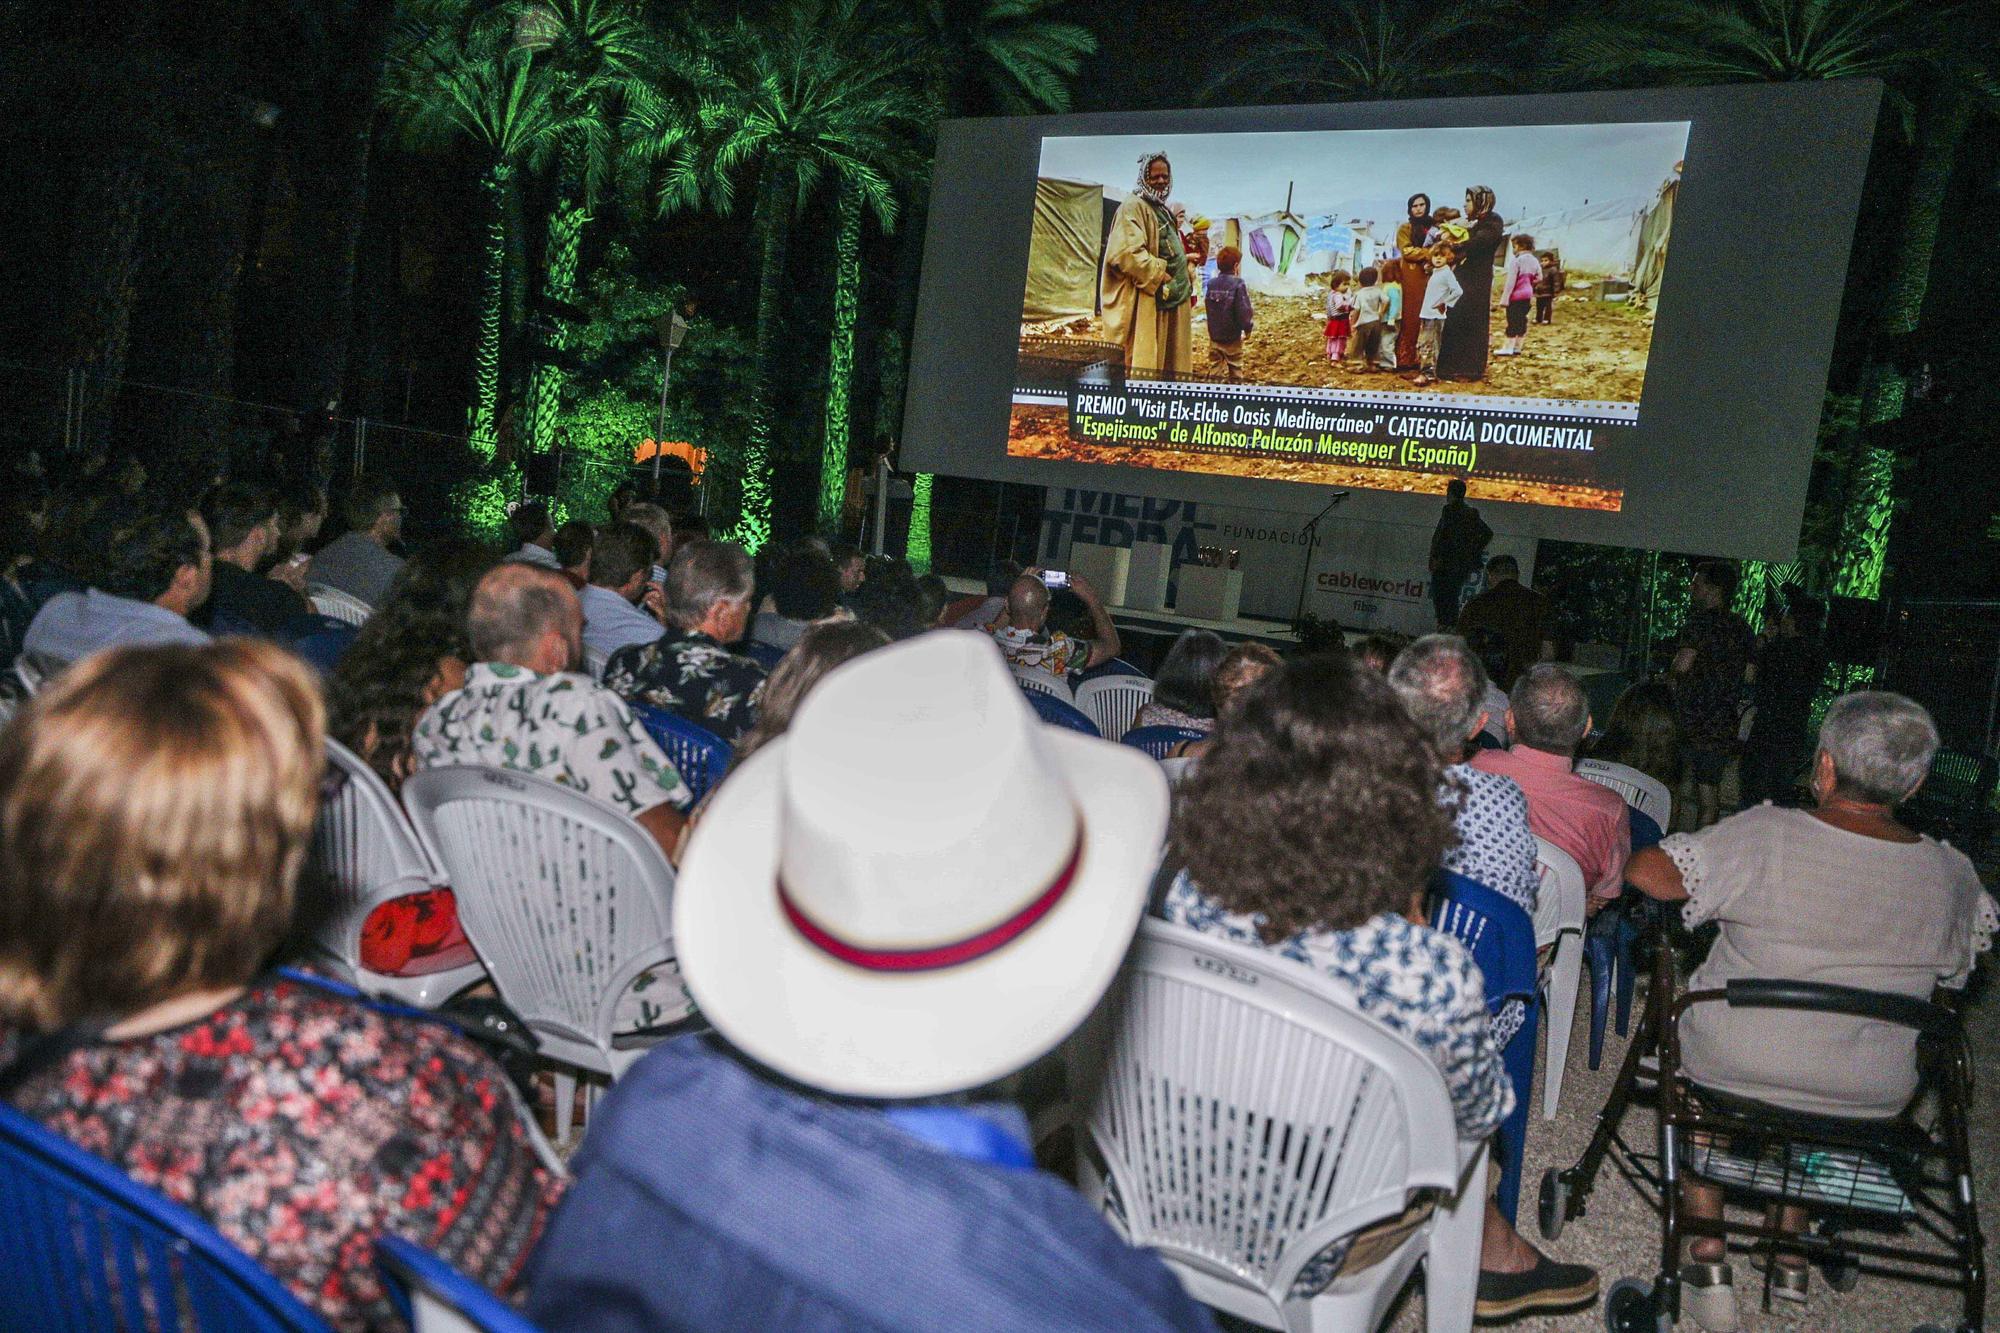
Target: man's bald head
x=1028, y=603
x=525, y=615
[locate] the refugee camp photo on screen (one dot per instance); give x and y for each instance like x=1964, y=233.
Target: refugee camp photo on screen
x=1504, y=262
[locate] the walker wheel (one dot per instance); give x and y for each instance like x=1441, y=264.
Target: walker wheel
x=1841, y=1272
x=1552, y=1208
x=1631, y=1307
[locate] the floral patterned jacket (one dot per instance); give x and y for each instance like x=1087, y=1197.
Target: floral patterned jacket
x=690, y=675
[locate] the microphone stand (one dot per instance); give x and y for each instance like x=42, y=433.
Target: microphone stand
x=1311, y=533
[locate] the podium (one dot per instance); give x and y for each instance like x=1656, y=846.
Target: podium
x=1106, y=567
x=1208, y=593
x=1146, y=585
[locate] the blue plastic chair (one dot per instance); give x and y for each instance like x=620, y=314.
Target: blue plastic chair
x=423, y=1286
x=700, y=756
x=1159, y=742
x=89, y=1248
x=1607, y=947
x=1059, y=714
x=1502, y=939
x=763, y=654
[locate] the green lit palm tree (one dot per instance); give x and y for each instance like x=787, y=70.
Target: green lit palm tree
x=452, y=78
x=1938, y=65
x=1015, y=57
x=1359, y=50
x=805, y=100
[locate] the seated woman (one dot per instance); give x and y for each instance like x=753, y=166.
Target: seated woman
x=411, y=653
x=1283, y=829
x=1184, y=687
x=1840, y=894
x=1240, y=669
x=1644, y=733
x=157, y=804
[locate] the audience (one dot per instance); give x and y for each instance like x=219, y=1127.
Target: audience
x=1378, y=652
x=813, y=1164
x=150, y=572
x=893, y=601
x=23, y=516
x=1708, y=672
x=851, y=565
x=655, y=521
x=523, y=706
x=534, y=535
x=805, y=587
x=1644, y=733
x=155, y=807
x=573, y=541
x=1318, y=758
x=1514, y=611
x=1184, y=686
x=819, y=650
x=243, y=528
x=1548, y=717
x=1841, y=894
x=982, y=612
x=1027, y=643
x=359, y=561
x=688, y=671
x=1238, y=672
x=621, y=567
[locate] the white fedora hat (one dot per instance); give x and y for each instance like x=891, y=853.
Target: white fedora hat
x=918, y=888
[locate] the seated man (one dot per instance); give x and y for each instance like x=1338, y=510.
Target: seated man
x=805, y=587
x=1518, y=614
x=777, y=1175
x=656, y=521
x=688, y=671
x=574, y=540
x=1548, y=716
x=621, y=567
x=1027, y=643
x=524, y=707
x=359, y=561
x=151, y=572
x=534, y=535
x=243, y=527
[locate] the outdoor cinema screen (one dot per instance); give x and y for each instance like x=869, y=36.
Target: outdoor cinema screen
x=1576, y=303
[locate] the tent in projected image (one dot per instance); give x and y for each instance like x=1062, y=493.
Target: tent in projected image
x=1595, y=240
x=1336, y=243
x=1272, y=245
x=1066, y=249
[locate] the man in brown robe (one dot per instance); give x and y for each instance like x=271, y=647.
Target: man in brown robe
x=1148, y=284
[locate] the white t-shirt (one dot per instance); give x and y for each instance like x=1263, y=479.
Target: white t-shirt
x=1441, y=293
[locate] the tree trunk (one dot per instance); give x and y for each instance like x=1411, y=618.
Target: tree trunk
x=753, y=523
x=917, y=548
x=840, y=362
x=484, y=416
x=553, y=331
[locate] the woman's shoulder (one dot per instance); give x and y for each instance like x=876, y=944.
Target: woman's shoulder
x=384, y=1050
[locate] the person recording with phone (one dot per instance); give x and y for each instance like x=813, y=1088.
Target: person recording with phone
x=1026, y=641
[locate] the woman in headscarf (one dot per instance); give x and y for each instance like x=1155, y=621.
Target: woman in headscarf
x=1416, y=272
x=1468, y=327
x=1148, y=286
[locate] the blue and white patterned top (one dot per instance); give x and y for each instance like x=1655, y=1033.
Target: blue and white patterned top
x=1415, y=981
x=1495, y=845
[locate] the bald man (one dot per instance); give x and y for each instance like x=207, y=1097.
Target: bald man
x=1027, y=642
x=525, y=707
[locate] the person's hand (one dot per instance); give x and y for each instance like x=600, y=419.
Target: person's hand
x=292, y=573
x=654, y=602
x=1082, y=588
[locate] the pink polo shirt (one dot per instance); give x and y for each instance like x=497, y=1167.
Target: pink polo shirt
x=1584, y=819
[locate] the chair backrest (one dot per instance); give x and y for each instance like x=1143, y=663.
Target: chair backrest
x=1113, y=701
x=1040, y=681
x=1159, y=742
x=364, y=844
x=700, y=756
x=1560, y=905
x=565, y=899
x=594, y=662
x=1648, y=794
x=88, y=1248
x=437, y=1298
x=1059, y=714
x=1248, y=1113
x=342, y=606
x=1496, y=930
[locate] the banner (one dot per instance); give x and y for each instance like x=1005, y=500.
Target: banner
x=1369, y=576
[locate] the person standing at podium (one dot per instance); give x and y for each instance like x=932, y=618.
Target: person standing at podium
x=1457, y=548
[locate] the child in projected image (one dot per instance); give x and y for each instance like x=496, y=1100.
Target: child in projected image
x=1230, y=316
x=1339, y=316
x=1371, y=308
x=1523, y=272
x=1392, y=319
x=1441, y=293
x=1546, y=286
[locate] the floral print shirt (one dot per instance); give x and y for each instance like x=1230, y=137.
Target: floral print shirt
x=690, y=675
x=302, y=1123
x=565, y=728
x=1495, y=845
x=1044, y=650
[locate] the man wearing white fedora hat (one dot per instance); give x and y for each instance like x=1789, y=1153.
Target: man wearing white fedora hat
x=914, y=892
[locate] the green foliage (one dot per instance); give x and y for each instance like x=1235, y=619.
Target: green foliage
x=481, y=500
x=917, y=549
x=1358, y=50
x=1022, y=56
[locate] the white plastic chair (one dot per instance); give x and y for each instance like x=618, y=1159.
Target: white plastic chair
x=1034, y=678
x=365, y=845
x=1249, y=1115
x=1648, y=795
x=1559, y=921
x=342, y=606
x=567, y=901
x=1112, y=702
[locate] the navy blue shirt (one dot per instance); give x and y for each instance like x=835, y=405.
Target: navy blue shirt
x=711, y=1196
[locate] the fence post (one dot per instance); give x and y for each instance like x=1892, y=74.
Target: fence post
x=360, y=447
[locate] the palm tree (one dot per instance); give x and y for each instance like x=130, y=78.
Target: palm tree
x=805, y=99
x=1359, y=50
x=1013, y=57
x=1929, y=57
x=469, y=78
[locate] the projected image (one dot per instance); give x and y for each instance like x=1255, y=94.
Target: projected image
x=1378, y=308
